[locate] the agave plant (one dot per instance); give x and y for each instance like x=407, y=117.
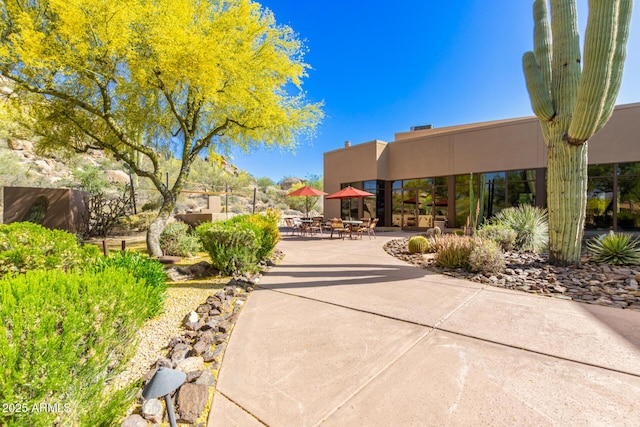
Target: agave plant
x=530, y=224
x=617, y=249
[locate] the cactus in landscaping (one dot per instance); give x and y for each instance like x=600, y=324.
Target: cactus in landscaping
x=573, y=102
x=418, y=245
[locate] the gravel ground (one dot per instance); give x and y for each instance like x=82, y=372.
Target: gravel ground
x=155, y=334
x=591, y=283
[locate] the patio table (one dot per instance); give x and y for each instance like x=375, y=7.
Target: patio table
x=350, y=223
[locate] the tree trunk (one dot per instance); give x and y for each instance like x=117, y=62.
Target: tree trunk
x=567, y=198
x=158, y=224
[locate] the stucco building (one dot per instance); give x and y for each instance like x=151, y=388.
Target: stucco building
x=433, y=174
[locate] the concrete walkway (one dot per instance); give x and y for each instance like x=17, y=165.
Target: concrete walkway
x=342, y=334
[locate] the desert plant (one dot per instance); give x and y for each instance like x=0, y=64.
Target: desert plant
x=232, y=246
x=25, y=246
x=502, y=234
x=617, y=249
x=529, y=223
x=268, y=231
x=437, y=231
x=63, y=336
x=418, y=244
x=177, y=239
x=573, y=97
x=453, y=251
x=486, y=257
x=145, y=270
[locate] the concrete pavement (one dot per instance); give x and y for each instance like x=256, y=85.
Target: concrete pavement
x=340, y=333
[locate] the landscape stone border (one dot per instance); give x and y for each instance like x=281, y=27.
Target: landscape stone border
x=591, y=283
x=198, y=352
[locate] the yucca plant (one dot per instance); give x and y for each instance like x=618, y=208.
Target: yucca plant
x=617, y=249
x=530, y=224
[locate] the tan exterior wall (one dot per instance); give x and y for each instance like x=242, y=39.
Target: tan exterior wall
x=619, y=140
x=483, y=147
x=64, y=211
x=356, y=163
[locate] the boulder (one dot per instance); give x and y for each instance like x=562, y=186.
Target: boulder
x=153, y=410
x=192, y=399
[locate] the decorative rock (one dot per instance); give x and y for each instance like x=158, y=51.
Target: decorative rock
x=193, y=375
x=134, y=420
x=201, y=346
x=153, y=410
x=180, y=352
x=224, y=327
x=192, y=321
x=190, y=364
x=192, y=399
x=594, y=283
x=208, y=356
x=211, y=324
x=206, y=378
x=203, y=309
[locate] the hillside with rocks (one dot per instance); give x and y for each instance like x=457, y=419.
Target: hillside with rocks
x=22, y=166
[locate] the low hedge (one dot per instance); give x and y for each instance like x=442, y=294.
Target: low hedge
x=232, y=246
x=25, y=246
x=238, y=244
x=63, y=335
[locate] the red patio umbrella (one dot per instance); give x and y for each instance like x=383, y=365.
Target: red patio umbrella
x=349, y=193
x=306, y=191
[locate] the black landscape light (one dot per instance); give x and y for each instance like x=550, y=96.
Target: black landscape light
x=163, y=383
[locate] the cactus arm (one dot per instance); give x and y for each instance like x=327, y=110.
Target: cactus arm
x=565, y=61
x=538, y=92
x=542, y=40
x=599, y=46
x=619, y=56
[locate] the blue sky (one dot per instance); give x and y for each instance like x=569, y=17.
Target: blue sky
x=381, y=67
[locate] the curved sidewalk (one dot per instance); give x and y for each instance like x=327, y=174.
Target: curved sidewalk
x=340, y=333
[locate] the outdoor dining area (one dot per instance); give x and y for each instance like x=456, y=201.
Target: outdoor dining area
x=319, y=226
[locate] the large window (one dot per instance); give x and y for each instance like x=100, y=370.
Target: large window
x=466, y=198
x=600, y=197
x=628, y=209
x=418, y=203
x=396, y=203
x=373, y=206
x=493, y=193
x=521, y=187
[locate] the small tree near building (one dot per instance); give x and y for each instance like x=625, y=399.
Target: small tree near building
x=574, y=98
x=143, y=78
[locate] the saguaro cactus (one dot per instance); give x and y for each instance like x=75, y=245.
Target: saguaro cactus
x=573, y=101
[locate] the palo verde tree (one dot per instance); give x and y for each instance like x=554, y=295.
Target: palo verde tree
x=573, y=98
x=141, y=78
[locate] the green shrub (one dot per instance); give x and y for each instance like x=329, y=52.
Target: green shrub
x=178, y=240
x=25, y=246
x=502, y=234
x=453, y=251
x=269, y=233
x=486, y=257
x=458, y=232
x=63, y=336
x=617, y=249
x=418, y=244
x=529, y=223
x=145, y=270
x=232, y=245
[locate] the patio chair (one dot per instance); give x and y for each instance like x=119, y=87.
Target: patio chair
x=369, y=228
x=292, y=226
x=338, y=227
x=316, y=225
